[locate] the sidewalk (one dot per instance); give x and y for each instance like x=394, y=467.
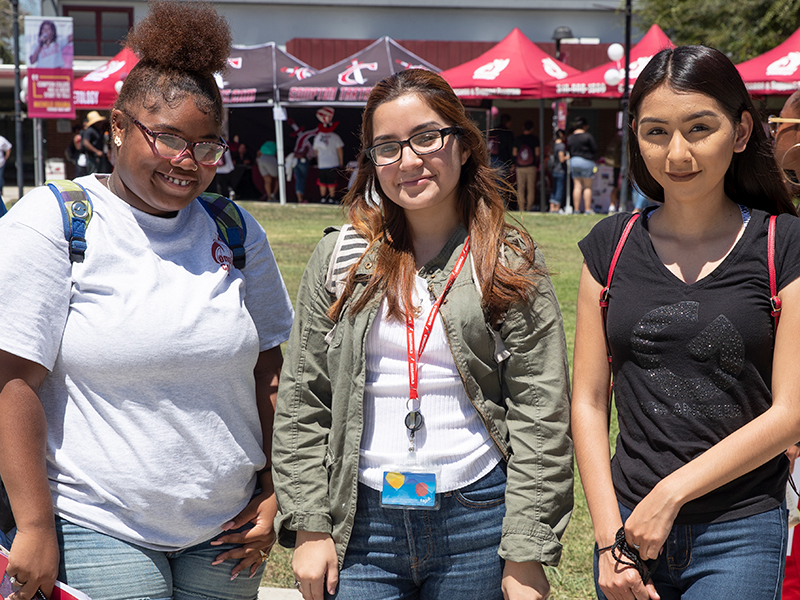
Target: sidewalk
x=11, y=193
x=268, y=593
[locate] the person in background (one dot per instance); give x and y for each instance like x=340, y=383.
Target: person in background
x=75, y=154
x=559, y=171
x=582, y=153
x=525, y=151
x=692, y=505
x=501, y=144
x=223, y=176
x=141, y=379
x=5, y=152
x=93, y=143
x=304, y=154
x=375, y=427
x=785, y=133
x=329, y=149
x=267, y=161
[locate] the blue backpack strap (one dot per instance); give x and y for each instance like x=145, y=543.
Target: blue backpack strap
x=76, y=212
x=3, y=209
x=230, y=224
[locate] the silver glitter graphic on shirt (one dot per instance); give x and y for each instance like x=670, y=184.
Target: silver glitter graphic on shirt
x=719, y=344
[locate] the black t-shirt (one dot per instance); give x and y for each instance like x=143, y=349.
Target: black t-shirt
x=583, y=145
x=691, y=363
x=526, y=145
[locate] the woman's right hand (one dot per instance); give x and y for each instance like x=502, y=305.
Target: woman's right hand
x=622, y=582
x=33, y=560
x=315, y=564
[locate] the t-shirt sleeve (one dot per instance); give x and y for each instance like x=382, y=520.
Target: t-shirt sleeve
x=787, y=249
x=36, y=279
x=266, y=298
x=598, y=247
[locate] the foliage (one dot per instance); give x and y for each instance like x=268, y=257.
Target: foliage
x=294, y=230
x=742, y=29
x=7, y=32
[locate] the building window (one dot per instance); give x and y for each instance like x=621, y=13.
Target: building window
x=97, y=31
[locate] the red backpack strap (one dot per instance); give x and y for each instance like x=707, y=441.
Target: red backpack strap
x=774, y=301
x=604, y=293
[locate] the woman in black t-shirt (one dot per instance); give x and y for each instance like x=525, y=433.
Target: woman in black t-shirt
x=706, y=390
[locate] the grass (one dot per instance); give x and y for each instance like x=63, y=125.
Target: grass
x=294, y=231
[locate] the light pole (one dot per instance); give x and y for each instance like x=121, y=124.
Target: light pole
x=624, y=187
x=17, y=101
x=561, y=33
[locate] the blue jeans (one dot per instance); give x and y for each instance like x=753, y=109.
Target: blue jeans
x=559, y=187
x=300, y=176
x=106, y=568
x=743, y=558
x=448, y=554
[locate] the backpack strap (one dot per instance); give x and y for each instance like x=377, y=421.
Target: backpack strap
x=604, y=293
x=774, y=301
x=3, y=209
x=349, y=249
x=230, y=224
x=76, y=212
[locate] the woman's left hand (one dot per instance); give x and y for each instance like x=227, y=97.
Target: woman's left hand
x=525, y=580
x=647, y=528
x=256, y=542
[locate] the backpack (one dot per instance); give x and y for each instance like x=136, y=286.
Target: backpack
x=347, y=252
x=3, y=209
x=525, y=155
x=77, y=210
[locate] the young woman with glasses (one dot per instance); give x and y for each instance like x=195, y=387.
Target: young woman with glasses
x=421, y=444
x=138, y=384
x=705, y=378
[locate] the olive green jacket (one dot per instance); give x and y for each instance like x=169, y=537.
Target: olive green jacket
x=524, y=404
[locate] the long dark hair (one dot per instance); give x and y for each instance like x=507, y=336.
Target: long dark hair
x=753, y=178
x=480, y=204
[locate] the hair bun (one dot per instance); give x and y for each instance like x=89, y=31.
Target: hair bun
x=182, y=36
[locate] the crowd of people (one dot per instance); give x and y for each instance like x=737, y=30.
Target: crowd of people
x=416, y=442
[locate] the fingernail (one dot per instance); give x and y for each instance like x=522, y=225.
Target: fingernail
x=227, y=526
x=215, y=543
x=235, y=575
x=217, y=561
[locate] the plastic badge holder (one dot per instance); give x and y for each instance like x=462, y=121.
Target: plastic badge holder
x=409, y=488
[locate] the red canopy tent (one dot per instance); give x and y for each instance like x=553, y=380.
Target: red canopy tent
x=98, y=90
x=592, y=83
x=514, y=69
x=776, y=72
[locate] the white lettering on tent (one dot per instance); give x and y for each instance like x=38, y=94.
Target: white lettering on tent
x=638, y=66
x=352, y=74
x=552, y=69
x=491, y=70
x=106, y=71
x=85, y=97
x=786, y=65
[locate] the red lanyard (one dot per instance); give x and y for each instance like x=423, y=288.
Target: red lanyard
x=413, y=358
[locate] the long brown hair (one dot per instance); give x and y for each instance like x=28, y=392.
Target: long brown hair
x=480, y=204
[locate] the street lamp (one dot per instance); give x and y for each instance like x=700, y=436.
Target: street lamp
x=561, y=33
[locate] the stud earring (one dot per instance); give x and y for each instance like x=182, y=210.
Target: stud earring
x=117, y=141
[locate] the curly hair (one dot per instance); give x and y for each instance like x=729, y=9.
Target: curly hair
x=180, y=45
x=480, y=203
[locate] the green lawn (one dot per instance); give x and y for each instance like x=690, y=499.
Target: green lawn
x=293, y=232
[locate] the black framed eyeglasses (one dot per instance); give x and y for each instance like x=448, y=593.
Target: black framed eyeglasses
x=171, y=146
x=775, y=122
x=425, y=142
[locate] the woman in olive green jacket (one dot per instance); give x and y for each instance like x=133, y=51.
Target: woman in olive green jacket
x=421, y=442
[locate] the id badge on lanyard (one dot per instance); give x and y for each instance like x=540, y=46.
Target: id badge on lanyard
x=413, y=486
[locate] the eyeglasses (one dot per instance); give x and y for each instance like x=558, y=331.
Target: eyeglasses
x=169, y=145
x=425, y=142
x=775, y=122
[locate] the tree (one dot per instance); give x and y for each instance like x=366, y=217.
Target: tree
x=6, y=32
x=742, y=29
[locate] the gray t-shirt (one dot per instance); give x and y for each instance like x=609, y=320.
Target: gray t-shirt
x=153, y=430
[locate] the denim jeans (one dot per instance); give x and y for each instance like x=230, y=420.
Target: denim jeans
x=743, y=558
x=450, y=553
x=106, y=568
x=559, y=187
